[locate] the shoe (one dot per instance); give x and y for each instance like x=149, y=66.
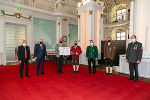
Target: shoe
x=110, y=74
x=57, y=73
x=42, y=73
x=136, y=81
x=89, y=72
x=37, y=74
x=130, y=79
x=77, y=71
x=106, y=74
x=27, y=75
x=94, y=72
x=62, y=72
x=73, y=72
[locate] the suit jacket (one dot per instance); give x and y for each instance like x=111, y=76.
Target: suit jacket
x=40, y=52
x=109, y=51
x=134, y=52
x=94, y=51
x=75, y=50
x=21, y=53
x=57, y=48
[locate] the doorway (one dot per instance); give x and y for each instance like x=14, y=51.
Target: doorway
x=14, y=34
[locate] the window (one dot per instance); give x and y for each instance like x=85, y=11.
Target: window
x=121, y=14
x=121, y=36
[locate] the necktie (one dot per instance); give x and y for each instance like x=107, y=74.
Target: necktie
x=41, y=46
x=91, y=53
x=25, y=53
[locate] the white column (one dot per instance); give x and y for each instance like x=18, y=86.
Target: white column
x=58, y=29
x=79, y=28
x=3, y=42
x=132, y=10
x=101, y=34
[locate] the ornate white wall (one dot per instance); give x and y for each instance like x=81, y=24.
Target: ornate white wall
x=90, y=27
x=140, y=24
x=11, y=8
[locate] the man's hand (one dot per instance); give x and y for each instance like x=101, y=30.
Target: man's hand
x=35, y=58
x=28, y=60
x=86, y=59
x=104, y=57
x=126, y=60
x=96, y=59
x=111, y=58
x=138, y=62
x=19, y=61
x=45, y=57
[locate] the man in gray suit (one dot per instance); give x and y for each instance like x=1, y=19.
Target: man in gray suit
x=59, y=58
x=133, y=57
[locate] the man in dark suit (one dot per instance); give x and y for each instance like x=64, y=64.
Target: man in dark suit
x=92, y=56
x=134, y=56
x=23, y=58
x=40, y=55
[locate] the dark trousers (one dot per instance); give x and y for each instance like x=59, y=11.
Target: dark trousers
x=133, y=67
x=21, y=67
x=75, y=61
x=59, y=61
x=38, y=61
x=108, y=62
x=91, y=60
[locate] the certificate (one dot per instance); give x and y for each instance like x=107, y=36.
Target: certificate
x=64, y=51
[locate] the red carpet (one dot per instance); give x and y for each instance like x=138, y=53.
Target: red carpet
x=68, y=86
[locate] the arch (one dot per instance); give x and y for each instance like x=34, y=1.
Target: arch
x=115, y=9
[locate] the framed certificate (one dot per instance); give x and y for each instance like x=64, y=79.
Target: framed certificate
x=64, y=51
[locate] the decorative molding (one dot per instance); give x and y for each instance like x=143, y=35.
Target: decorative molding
x=90, y=11
x=65, y=19
x=17, y=15
x=131, y=0
x=78, y=16
x=102, y=15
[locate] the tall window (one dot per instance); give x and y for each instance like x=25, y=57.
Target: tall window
x=121, y=36
x=121, y=14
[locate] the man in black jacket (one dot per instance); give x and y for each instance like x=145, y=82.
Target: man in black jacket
x=23, y=58
x=133, y=57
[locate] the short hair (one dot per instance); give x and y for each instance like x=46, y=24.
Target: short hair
x=133, y=36
x=109, y=37
x=91, y=40
x=24, y=41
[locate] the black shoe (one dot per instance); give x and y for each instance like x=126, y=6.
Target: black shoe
x=27, y=75
x=89, y=72
x=62, y=72
x=136, y=81
x=37, y=74
x=94, y=72
x=42, y=73
x=130, y=79
x=57, y=73
x=110, y=74
x=73, y=72
x=106, y=74
x=77, y=71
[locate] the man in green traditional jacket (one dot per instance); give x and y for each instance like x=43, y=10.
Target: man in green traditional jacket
x=92, y=56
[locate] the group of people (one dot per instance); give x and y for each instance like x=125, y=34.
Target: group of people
x=24, y=57
x=133, y=56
